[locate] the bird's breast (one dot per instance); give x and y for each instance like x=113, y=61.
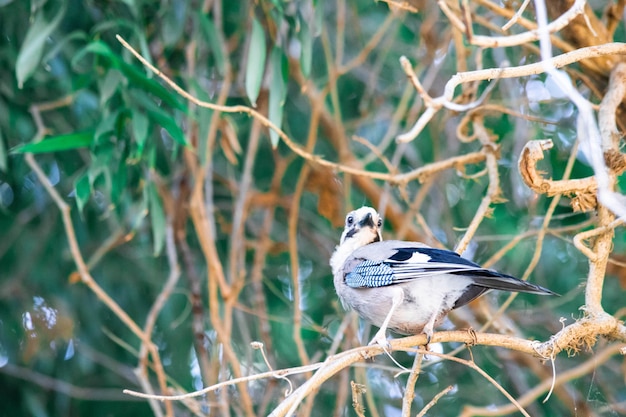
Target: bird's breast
x=422, y=299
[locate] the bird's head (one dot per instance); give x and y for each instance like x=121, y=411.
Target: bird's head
x=363, y=226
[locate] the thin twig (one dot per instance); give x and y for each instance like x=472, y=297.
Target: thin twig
x=516, y=16
x=409, y=390
x=595, y=360
x=436, y=398
x=493, y=191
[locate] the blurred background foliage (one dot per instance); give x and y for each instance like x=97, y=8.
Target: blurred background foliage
x=124, y=151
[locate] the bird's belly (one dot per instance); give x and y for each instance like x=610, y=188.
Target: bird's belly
x=422, y=300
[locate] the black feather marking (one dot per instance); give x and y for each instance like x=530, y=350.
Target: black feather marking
x=446, y=257
x=471, y=293
x=367, y=221
x=436, y=256
x=507, y=283
x=402, y=254
x=486, y=273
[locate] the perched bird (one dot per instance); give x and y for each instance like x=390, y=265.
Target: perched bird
x=407, y=287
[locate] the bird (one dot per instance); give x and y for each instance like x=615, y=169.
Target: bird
x=407, y=287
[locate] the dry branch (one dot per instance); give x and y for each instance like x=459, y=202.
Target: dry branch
x=583, y=190
x=518, y=39
x=445, y=100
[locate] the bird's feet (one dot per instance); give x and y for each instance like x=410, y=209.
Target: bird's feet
x=380, y=339
x=429, y=335
x=428, y=330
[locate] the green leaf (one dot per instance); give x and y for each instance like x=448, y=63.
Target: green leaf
x=168, y=123
x=82, y=189
x=256, y=62
x=157, y=114
x=135, y=77
x=157, y=217
x=318, y=17
x=132, y=5
x=3, y=155
x=140, y=127
x=109, y=85
x=58, y=46
x=203, y=116
x=152, y=157
x=101, y=167
x=119, y=178
x=213, y=40
x=31, y=50
x=114, y=26
x=306, y=48
x=106, y=127
x=57, y=143
x=174, y=22
x=278, y=90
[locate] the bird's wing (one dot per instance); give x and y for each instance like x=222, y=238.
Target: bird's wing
x=394, y=262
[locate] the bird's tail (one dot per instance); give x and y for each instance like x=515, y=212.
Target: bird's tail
x=497, y=281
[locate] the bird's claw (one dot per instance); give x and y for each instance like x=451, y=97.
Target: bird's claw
x=429, y=337
x=381, y=340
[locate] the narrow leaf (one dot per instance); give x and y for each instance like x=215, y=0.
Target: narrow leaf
x=278, y=91
x=157, y=114
x=31, y=50
x=109, y=85
x=157, y=217
x=105, y=128
x=256, y=62
x=140, y=129
x=60, y=45
x=168, y=123
x=306, y=48
x=174, y=22
x=213, y=40
x=119, y=178
x=57, y=143
x=3, y=155
x=82, y=191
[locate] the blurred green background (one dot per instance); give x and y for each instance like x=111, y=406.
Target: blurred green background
x=125, y=153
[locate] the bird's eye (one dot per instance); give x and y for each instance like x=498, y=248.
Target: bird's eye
x=380, y=222
x=349, y=220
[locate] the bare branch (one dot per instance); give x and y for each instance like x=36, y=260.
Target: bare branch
x=583, y=190
x=512, y=72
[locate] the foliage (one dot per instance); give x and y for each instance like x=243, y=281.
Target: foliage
x=203, y=230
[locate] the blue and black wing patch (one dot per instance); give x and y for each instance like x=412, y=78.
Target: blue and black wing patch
x=411, y=263
x=370, y=274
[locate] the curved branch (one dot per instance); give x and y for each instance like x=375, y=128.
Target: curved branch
x=583, y=189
